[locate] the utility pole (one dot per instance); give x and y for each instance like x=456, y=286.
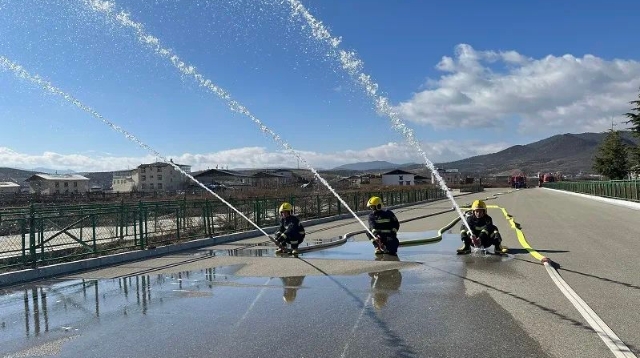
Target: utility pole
x=613, y=124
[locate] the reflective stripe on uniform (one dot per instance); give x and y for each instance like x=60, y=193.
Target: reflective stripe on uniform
x=382, y=221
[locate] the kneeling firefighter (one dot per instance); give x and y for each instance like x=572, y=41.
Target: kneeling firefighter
x=384, y=226
x=483, y=231
x=291, y=230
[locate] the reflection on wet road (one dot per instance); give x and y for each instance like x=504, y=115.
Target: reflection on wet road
x=417, y=311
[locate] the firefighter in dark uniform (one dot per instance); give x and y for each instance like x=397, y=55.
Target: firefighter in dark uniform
x=291, y=230
x=483, y=231
x=384, y=226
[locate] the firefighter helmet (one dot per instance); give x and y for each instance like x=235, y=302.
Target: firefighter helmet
x=375, y=203
x=478, y=205
x=286, y=207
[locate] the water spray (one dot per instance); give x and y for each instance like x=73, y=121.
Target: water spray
x=124, y=19
x=350, y=62
x=22, y=73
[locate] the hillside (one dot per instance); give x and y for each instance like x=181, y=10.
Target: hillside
x=567, y=153
x=15, y=175
x=363, y=166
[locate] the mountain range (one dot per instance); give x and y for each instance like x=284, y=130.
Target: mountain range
x=374, y=165
x=566, y=153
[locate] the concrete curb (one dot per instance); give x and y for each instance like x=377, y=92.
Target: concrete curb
x=618, y=202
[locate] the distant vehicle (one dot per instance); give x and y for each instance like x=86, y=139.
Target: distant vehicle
x=518, y=181
x=548, y=178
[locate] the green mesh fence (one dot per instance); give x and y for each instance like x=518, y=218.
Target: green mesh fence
x=618, y=189
x=42, y=234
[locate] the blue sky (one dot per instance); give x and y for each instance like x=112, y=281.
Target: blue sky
x=467, y=77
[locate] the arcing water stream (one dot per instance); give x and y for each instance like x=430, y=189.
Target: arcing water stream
x=109, y=9
x=353, y=66
x=9, y=65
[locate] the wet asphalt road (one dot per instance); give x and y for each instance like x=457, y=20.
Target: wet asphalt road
x=239, y=300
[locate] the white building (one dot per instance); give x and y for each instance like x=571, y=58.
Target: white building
x=123, y=181
x=158, y=176
x=450, y=176
x=7, y=187
x=398, y=177
x=58, y=183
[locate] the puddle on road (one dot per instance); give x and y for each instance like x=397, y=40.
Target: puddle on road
x=189, y=302
x=216, y=299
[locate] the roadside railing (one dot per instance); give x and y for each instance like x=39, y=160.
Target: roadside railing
x=618, y=189
x=42, y=234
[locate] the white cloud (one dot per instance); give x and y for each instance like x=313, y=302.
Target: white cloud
x=485, y=88
x=77, y=162
x=253, y=157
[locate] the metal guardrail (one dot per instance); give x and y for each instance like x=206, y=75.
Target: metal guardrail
x=618, y=189
x=42, y=234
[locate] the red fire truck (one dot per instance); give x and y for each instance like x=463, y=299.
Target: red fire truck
x=518, y=180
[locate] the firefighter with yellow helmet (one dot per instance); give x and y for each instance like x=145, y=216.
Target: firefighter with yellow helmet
x=483, y=232
x=384, y=225
x=291, y=232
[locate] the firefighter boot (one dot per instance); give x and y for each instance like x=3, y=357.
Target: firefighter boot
x=499, y=249
x=282, y=248
x=466, y=247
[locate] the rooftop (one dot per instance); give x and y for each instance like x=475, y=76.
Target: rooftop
x=69, y=177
